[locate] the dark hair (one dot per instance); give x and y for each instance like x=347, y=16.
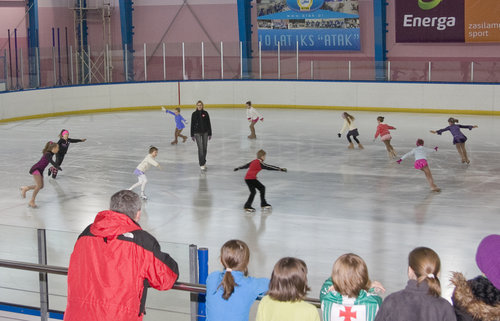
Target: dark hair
x=289, y=280
x=48, y=147
x=126, y=202
x=261, y=153
x=420, y=142
x=426, y=265
x=380, y=118
x=178, y=109
x=152, y=149
x=350, y=275
x=234, y=255
x=249, y=103
x=348, y=117
x=452, y=120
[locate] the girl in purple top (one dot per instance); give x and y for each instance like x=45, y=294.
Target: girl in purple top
x=459, y=138
x=36, y=170
x=180, y=123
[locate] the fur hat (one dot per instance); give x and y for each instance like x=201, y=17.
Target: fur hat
x=488, y=258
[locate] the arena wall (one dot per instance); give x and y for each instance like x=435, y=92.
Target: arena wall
x=373, y=96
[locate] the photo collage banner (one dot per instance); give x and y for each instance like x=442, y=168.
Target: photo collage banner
x=315, y=25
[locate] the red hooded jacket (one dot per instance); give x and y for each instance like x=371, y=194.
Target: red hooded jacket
x=112, y=265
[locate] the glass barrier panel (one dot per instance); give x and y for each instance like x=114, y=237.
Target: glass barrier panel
x=173, y=61
x=192, y=53
x=416, y=71
x=212, y=60
x=362, y=70
x=486, y=71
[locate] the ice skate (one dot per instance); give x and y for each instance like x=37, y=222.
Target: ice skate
x=266, y=207
x=436, y=189
x=24, y=189
x=249, y=209
x=144, y=197
x=203, y=168
x=32, y=204
x=351, y=146
x=173, y=142
x=360, y=146
x=184, y=138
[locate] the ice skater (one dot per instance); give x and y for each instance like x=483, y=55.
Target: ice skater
x=353, y=130
x=180, y=123
x=459, y=138
x=385, y=136
x=201, y=132
x=253, y=117
x=63, y=143
x=420, y=152
x=143, y=167
x=36, y=171
x=254, y=167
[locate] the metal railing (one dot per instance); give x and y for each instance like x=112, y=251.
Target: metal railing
x=51, y=269
x=53, y=67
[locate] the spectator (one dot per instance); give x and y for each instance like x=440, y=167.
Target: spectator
x=421, y=299
x=231, y=292
x=349, y=291
x=287, y=290
x=113, y=263
x=479, y=299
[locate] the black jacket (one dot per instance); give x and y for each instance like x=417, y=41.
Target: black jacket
x=200, y=123
x=475, y=300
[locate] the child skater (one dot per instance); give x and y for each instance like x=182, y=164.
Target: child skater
x=421, y=299
x=420, y=153
x=180, y=123
x=63, y=143
x=143, y=167
x=287, y=290
x=349, y=291
x=385, y=136
x=254, y=168
x=353, y=130
x=459, y=138
x=231, y=292
x=253, y=117
x=36, y=170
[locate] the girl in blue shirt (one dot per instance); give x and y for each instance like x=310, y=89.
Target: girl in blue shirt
x=180, y=123
x=231, y=292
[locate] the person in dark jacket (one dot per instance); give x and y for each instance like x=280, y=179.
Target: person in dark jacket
x=113, y=264
x=63, y=143
x=201, y=132
x=478, y=299
x=421, y=299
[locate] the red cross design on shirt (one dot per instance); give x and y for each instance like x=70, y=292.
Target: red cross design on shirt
x=347, y=314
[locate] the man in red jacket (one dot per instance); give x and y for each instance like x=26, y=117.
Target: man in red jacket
x=113, y=263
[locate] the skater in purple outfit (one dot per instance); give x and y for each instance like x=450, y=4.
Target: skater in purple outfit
x=180, y=123
x=459, y=138
x=36, y=171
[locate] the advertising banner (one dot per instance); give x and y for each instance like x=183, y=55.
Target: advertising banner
x=447, y=21
x=312, y=24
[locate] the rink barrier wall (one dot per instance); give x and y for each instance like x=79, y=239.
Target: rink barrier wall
x=448, y=98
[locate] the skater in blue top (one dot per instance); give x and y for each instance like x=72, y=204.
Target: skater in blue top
x=180, y=123
x=231, y=292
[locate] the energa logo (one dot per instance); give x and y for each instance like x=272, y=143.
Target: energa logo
x=428, y=5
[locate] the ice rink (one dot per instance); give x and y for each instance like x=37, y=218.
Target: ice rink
x=331, y=201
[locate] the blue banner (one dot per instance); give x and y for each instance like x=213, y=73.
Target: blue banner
x=310, y=39
x=327, y=25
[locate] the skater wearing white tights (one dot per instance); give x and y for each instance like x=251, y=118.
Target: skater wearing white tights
x=146, y=163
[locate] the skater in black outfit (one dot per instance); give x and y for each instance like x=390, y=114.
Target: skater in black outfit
x=201, y=132
x=254, y=168
x=63, y=143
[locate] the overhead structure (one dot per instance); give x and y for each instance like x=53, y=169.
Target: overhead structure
x=93, y=61
x=33, y=44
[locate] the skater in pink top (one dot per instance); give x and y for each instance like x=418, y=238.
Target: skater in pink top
x=385, y=136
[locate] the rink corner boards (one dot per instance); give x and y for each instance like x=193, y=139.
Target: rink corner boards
x=278, y=106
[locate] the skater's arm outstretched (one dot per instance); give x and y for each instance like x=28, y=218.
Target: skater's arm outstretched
x=440, y=131
x=243, y=166
x=272, y=167
x=467, y=126
x=75, y=140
